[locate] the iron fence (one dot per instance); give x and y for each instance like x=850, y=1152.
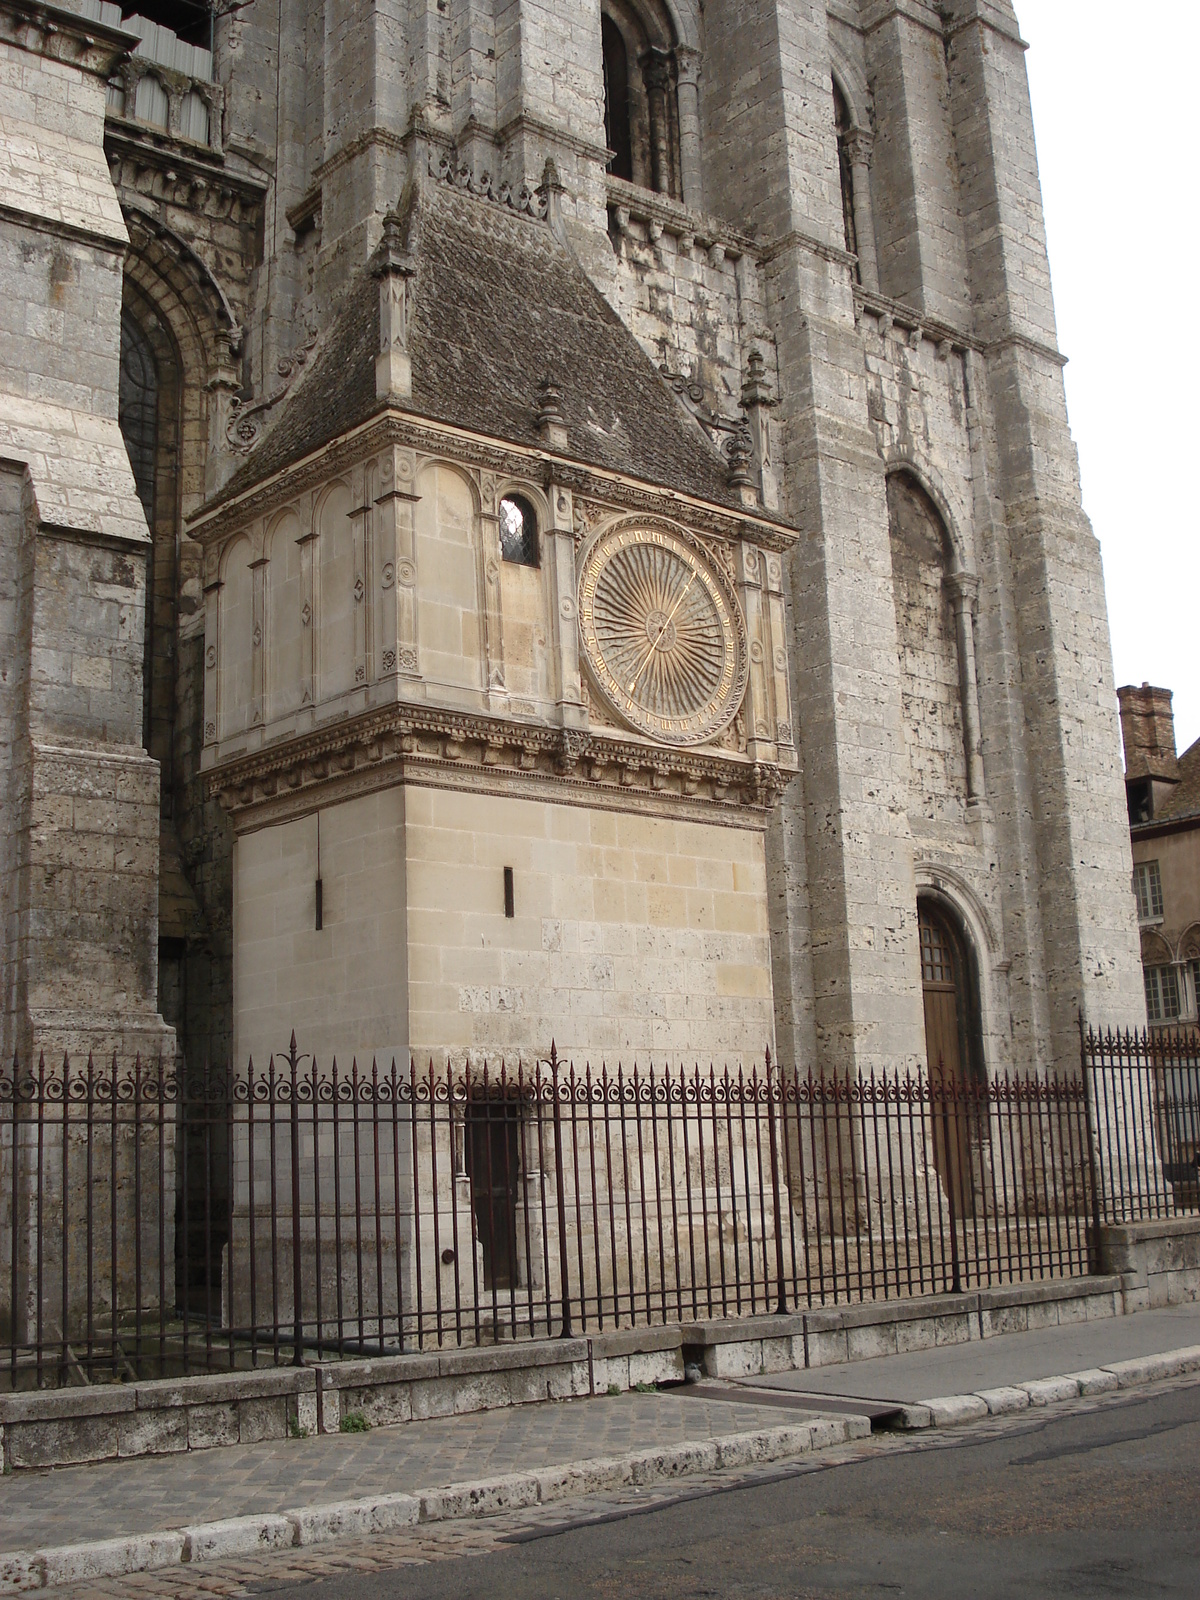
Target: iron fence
x=157, y=1222
x=1145, y=1088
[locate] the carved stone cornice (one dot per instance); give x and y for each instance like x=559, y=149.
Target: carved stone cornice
x=62, y=35
x=418, y=743
x=156, y=166
x=390, y=427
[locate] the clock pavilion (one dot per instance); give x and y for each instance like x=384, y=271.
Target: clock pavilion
x=496, y=674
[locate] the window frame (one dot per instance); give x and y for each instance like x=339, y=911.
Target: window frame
x=531, y=539
x=1150, y=872
x=1156, y=992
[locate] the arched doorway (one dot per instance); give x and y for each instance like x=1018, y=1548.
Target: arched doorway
x=953, y=1046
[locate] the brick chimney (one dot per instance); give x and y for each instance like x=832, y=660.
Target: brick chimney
x=1148, y=734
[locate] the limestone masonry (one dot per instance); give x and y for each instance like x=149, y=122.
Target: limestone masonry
x=530, y=521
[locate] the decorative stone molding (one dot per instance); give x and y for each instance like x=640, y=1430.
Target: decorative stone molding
x=594, y=483
x=62, y=35
x=523, y=201
x=248, y=419
x=401, y=742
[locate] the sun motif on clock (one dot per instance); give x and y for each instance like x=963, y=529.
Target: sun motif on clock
x=662, y=636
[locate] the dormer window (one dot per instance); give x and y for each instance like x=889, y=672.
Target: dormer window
x=518, y=531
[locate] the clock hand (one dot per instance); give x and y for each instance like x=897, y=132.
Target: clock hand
x=654, y=643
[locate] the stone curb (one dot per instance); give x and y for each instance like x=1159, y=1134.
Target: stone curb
x=948, y=1410
x=25, y=1570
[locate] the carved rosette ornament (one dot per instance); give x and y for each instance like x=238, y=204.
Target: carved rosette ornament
x=662, y=635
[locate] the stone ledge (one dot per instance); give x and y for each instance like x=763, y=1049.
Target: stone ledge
x=203, y=1412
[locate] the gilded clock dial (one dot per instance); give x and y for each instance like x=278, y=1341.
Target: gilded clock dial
x=662, y=638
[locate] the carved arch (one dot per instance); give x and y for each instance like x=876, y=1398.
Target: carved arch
x=853, y=85
x=938, y=879
x=1189, y=944
x=172, y=273
x=1156, y=951
x=903, y=459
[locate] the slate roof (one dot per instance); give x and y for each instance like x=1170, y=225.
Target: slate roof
x=499, y=304
x=1184, y=799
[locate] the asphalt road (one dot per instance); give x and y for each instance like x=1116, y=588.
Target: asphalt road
x=1098, y=1503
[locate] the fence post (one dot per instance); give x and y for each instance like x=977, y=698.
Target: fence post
x=297, y=1310
x=563, y=1268
x=781, y=1307
x=1091, y=1136
x=952, y=1177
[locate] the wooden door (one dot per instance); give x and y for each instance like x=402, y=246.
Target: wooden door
x=493, y=1168
x=943, y=975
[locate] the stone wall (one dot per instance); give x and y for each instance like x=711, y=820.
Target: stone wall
x=634, y=937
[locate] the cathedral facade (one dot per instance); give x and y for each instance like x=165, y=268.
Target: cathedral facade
x=545, y=522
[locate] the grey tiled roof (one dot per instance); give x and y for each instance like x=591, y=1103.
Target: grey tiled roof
x=1184, y=798
x=499, y=305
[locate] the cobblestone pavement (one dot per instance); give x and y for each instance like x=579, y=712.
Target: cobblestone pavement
x=284, y=1573
x=68, y=1505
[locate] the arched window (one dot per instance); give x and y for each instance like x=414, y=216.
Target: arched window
x=935, y=640
x=138, y=408
x=193, y=117
x=844, y=125
x=150, y=103
x=519, y=531
x=641, y=109
x=617, y=131
x=148, y=415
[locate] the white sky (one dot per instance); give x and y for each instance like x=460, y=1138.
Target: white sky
x=1113, y=90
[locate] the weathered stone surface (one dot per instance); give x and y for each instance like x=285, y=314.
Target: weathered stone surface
x=237, y=1536
x=941, y=622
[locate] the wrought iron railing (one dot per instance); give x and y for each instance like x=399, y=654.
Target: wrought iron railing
x=155, y=1222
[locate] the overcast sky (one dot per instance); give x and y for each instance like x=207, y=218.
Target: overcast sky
x=1114, y=112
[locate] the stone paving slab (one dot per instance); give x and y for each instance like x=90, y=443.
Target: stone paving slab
x=289, y=1572
x=71, y=1505
x=1009, y=1358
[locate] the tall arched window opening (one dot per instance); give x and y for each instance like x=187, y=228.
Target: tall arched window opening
x=641, y=105
x=616, y=100
x=148, y=413
x=935, y=635
x=844, y=126
x=138, y=408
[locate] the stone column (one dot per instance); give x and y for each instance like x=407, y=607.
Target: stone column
x=964, y=596
x=687, y=66
x=656, y=70
x=560, y=545
x=858, y=146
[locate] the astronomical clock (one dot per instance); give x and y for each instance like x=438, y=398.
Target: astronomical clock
x=662, y=635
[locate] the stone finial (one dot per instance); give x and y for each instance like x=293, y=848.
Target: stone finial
x=756, y=390
x=739, y=451
x=551, y=419
x=757, y=401
x=393, y=266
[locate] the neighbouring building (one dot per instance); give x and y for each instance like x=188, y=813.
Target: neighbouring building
x=528, y=523
x=1163, y=790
